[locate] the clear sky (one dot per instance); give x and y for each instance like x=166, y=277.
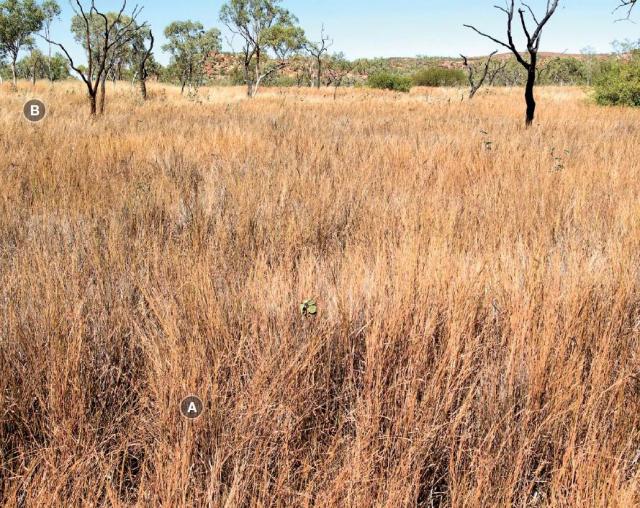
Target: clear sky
x=369, y=28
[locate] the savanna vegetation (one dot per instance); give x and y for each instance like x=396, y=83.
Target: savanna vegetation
x=476, y=340
x=386, y=290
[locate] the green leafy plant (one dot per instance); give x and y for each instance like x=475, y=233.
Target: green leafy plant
x=389, y=81
x=437, y=76
x=309, y=308
x=620, y=86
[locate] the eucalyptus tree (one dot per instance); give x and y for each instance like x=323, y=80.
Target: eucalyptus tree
x=51, y=11
x=191, y=46
x=20, y=20
x=116, y=56
x=104, y=36
x=533, y=35
x=263, y=26
x=36, y=65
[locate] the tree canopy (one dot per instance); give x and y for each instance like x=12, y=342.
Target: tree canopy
x=190, y=45
x=263, y=26
x=19, y=21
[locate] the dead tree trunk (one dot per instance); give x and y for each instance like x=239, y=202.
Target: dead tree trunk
x=476, y=83
x=319, y=75
x=533, y=45
x=144, y=74
x=317, y=50
x=143, y=56
x=528, y=92
x=143, y=89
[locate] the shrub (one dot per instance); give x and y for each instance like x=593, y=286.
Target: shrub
x=389, y=81
x=620, y=85
x=437, y=76
x=564, y=71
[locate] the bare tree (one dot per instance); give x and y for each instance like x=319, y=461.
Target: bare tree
x=496, y=70
x=317, y=50
x=628, y=5
x=477, y=80
x=115, y=34
x=533, y=45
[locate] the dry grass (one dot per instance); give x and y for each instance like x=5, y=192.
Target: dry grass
x=478, y=339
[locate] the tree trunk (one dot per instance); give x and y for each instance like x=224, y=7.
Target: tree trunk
x=93, y=104
x=257, y=77
x=142, y=77
x=319, y=77
x=49, y=70
x=528, y=95
x=103, y=93
x=252, y=88
x=14, y=73
x=143, y=86
x=190, y=76
x=247, y=79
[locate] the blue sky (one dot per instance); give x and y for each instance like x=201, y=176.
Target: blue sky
x=368, y=28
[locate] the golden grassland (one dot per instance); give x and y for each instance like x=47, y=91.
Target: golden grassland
x=478, y=334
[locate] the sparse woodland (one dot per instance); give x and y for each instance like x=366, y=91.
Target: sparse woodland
x=474, y=338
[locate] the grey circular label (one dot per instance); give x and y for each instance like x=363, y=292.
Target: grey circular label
x=191, y=407
x=34, y=110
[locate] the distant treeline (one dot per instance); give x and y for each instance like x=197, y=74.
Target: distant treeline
x=585, y=70
x=394, y=74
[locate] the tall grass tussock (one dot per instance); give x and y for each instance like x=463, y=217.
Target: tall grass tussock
x=477, y=335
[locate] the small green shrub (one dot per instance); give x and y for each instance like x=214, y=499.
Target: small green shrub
x=309, y=308
x=438, y=76
x=389, y=81
x=620, y=85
